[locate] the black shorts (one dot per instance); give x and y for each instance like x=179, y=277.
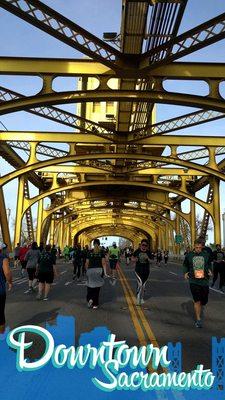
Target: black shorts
x=112, y=263
x=199, y=293
x=46, y=277
x=2, y=308
x=31, y=273
x=23, y=264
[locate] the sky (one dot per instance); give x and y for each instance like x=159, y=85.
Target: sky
x=18, y=38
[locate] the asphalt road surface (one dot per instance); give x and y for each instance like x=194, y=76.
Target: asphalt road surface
x=166, y=316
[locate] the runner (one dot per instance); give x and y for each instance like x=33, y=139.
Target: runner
x=54, y=253
x=77, y=262
x=16, y=255
x=114, y=253
x=96, y=269
x=32, y=257
x=206, y=248
x=158, y=257
x=46, y=272
x=127, y=255
x=84, y=258
x=5, y=275
x=197, y=269
x=66, y=253
x=22, y=253
x=218, y=267
x=166, y=256
x=142, y=258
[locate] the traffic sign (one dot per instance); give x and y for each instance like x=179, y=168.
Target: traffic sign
x=178, y=239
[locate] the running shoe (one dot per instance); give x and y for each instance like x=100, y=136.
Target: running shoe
x=95, y=307
x=90, y=303
x=198, y=324
x=138, y=301
x=45, y=298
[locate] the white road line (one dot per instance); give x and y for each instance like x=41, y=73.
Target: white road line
x=23, y=281
x=173, y=273
x=18, y=279
x=68, y=283
x=216, y=290
x=63, y=272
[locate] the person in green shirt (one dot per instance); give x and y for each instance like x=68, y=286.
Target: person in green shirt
x=114, y=253
x=197, y=269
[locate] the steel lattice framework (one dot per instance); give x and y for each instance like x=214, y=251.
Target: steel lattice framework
x=128, y=176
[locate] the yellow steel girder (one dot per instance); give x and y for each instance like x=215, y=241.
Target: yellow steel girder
x=67, y=137
x=30, y=202
x=80, y=67
x=211, y=102
x=70, y=202
x=210, y=169
x=148, y=230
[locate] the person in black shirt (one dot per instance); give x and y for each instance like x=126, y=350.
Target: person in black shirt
x=85, y=252
x=77, y=262
x=46, y=272
x=166, y=256
x=142, y=258
x=218, y=267
x=206, y=248
x=96, y=270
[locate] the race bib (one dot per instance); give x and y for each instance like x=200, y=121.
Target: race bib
x=198, y=266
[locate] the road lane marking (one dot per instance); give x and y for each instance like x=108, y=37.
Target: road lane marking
x=173, y=273
x=139, y=310
x=216, y=290
x=22, y=281
x=131, y=299
x=136, y=323
x=63, y=272
x=68, y=283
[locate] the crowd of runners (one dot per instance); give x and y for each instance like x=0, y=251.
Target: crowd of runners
x=92, y=266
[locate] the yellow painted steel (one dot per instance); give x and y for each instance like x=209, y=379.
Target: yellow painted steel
x=116, y=158
x=4, y=221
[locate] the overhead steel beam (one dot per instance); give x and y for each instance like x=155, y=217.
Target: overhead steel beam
x=53, y=66
x=175, y=124
x=87, y=169
x=67, y=137
x=161, y=97
x=79, y=67
x=57, y=137
x=17, y=162
x=57, y=115
x=195, y=39
x=48, y=20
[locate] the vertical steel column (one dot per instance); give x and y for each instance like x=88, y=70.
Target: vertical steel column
x=61, y=234
x=52, y=230
x=216, y=210
x=39, y=221
x=177, y=225
x=19, y=210
x=4, y=221
x=167, y=231
x=70, y=236
x=193, y=223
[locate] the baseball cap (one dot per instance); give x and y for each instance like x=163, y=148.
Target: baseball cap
x=2, y=245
